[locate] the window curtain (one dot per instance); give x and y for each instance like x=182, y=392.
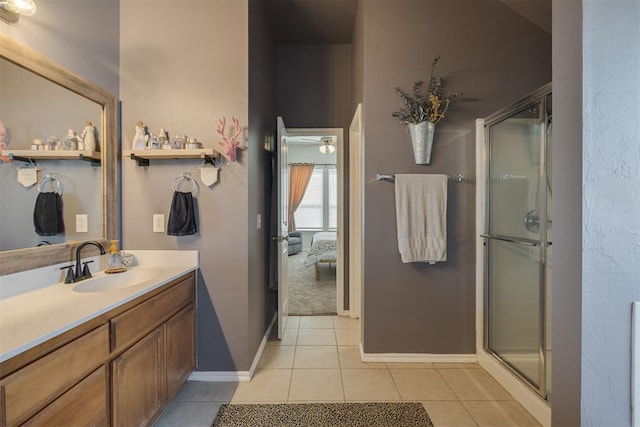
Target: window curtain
x=299, y=177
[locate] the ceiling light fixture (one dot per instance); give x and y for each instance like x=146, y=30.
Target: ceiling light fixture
x=327, y=147
x=10, y=10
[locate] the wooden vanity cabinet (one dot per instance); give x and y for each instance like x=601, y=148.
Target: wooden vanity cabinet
x=121, y=373
x=148, y=374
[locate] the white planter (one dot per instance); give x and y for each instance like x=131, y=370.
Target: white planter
x=422, y=141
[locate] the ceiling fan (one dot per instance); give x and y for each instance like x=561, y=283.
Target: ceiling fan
x=325, y=144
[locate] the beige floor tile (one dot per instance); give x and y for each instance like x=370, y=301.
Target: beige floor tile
x=316, y=322
x=316, y=356
x=448, y=414
x=474, y=384
x=500, y=413
x=406, y=365
x=369, y=385
x=267, y=385
x=277, y=356
x=421, y=384
x=350, y=359
x=457, y=366
x=316, y=337
x=348, y=336
x=318, y=385
x=341, y=322
x=293, y=322
x=290, y=338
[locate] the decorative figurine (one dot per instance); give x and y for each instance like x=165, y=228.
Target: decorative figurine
x=230, y=144
x=141, y=137
x=89, y=137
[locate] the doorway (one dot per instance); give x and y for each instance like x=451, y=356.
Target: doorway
x=315, y=259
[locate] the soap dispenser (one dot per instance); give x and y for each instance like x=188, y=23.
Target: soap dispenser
x=114, y=261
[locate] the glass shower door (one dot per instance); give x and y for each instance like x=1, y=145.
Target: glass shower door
x=516, y=242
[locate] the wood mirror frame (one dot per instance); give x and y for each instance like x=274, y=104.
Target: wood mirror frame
x=14, y=261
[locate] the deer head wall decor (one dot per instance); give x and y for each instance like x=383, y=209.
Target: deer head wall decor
x=229, y=144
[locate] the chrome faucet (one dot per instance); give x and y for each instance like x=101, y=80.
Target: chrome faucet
x=85, y=273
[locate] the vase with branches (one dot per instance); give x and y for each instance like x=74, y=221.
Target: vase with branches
x=423, y=108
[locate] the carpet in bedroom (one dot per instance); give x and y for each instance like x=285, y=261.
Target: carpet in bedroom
x=324, y=414
x=308, y=296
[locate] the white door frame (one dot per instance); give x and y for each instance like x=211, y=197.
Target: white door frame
x=356, y=213
x=339, y=134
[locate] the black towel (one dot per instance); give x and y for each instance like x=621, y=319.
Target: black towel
x=182, y=219
x=47, y=214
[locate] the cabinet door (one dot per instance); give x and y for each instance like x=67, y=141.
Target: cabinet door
x=84, y=405
x=138, y=386
x=179, y=336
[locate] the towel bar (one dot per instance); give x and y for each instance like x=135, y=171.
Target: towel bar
x=458, y=177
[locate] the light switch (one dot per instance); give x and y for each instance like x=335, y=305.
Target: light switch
x=158, y=223
x=82, y=223
x=259, y=221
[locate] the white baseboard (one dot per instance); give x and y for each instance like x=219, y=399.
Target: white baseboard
x=220, y=376
x=529, y=399
x=417, y=357
x=236, y=376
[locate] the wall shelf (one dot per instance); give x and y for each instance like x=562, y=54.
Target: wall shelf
x=144, y=156
x=33, y=156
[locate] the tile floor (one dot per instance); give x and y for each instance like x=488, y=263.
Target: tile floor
x=318, y=360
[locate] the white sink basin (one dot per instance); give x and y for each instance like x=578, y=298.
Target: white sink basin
x=107, y=282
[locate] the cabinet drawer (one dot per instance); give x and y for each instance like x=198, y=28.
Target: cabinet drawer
x=31, y=388
x=142, y=319
x=83, y=405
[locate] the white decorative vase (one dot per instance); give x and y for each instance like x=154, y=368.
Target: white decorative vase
x=422, y=141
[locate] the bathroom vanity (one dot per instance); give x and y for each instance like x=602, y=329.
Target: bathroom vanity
x=110, y=350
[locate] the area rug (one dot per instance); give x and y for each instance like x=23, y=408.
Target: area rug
x=308, y=296
x=323, y=414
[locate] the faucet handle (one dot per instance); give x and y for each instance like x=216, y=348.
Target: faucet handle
x=86, y=273
x=70, y=278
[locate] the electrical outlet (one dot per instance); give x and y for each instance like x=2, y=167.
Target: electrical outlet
x=158, y=223
x=82, y=223
x=259, y=221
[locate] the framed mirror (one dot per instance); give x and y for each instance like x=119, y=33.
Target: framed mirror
x=40, y=99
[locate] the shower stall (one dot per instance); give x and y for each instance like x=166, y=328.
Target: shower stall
x=515, y=239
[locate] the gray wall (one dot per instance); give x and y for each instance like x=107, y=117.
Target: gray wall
x=415, y=308
x=611, y=201
x=262, y=302
x=183, y=78
x=313, y=86
x=567, y=200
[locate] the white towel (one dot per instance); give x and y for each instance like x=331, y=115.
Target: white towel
x=421, y=214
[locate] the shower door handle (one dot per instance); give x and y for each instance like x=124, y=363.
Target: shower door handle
x=517, y=240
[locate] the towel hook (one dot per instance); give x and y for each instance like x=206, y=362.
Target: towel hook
x=50, y=177
x=185, y=176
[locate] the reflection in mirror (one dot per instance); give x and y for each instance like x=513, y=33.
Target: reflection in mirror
x=39, y=99
x=33, y=108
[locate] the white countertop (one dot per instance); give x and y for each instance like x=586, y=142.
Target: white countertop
x=35, y=305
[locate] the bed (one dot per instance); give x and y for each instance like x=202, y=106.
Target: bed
x=323, y=249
